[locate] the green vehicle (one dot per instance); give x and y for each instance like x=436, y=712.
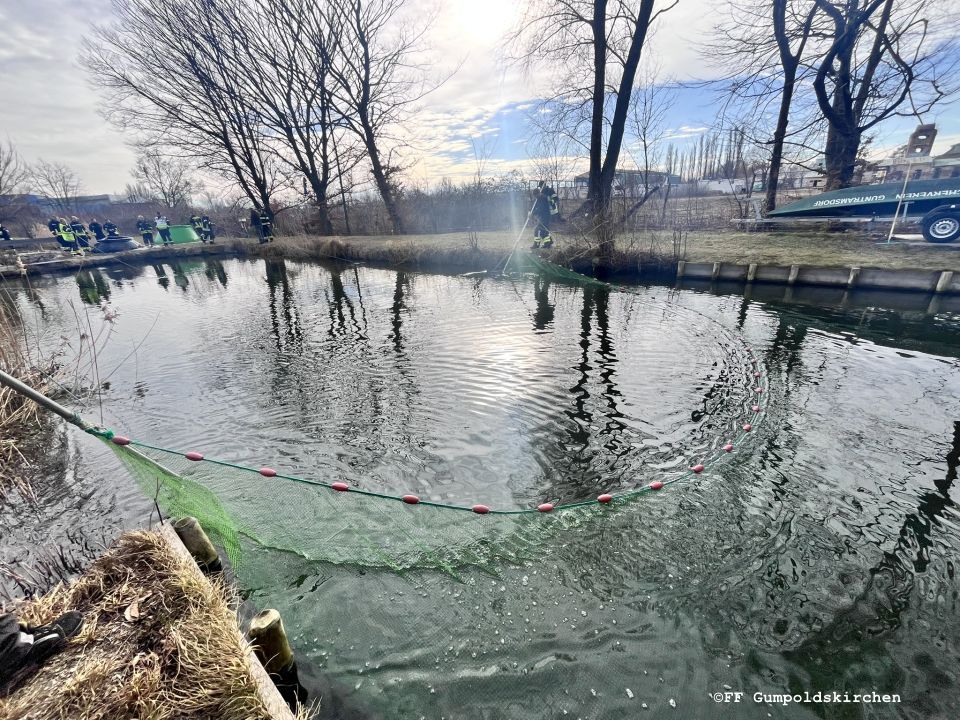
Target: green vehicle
x=935, y=204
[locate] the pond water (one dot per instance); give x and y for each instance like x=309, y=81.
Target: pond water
x=819, y=556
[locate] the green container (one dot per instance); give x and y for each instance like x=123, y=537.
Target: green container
x=181, y=234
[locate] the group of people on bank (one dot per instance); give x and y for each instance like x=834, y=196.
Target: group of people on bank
x=75, y=236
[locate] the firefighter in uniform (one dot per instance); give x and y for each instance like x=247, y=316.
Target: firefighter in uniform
x=197, y=224
x=546, y=204
x=79, y=232
x=97, y=229
x=163, y=227
x=111, y=229
x=261, y=221
x=266, y=227
x=64, y=235
x=209, y=228
x=146, y=232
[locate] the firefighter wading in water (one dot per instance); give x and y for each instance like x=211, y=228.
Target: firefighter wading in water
x=545, y=206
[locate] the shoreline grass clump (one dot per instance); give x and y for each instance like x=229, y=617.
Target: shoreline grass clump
x=19, y=417
x=159, y=640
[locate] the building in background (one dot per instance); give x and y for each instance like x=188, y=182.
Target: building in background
x=915, y=161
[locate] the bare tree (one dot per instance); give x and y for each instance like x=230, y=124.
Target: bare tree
x=882, y=59
x=181, y=89
x=58, y=183
x=765, y=45
x=650, y=104
x=14, y=172
x=168, y=180
x=282, y=50
x=377, y=82
x=14, y=181
x=599, y=44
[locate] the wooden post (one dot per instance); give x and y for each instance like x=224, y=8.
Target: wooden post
x=946, y=277
x=752, y=272
x=852, y=277
x=269, y=640
x=680, y=266
x=197, y=542
x=716, y=272
x=794, y=271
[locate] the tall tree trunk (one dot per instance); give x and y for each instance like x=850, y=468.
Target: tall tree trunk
x=324, y=224
x=840, y=156
x=779, y=136
x=383, y=185
x=599, y=28
x=617, y=127
x=790, y=61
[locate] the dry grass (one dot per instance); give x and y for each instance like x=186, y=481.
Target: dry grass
x=18, y=416
x=158, y=642
x=652, y=249
x=841, y=249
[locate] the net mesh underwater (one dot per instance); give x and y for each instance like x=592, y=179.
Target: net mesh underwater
x=323, y=520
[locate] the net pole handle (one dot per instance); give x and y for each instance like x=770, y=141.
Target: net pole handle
x=42, y=400
x=519, y=237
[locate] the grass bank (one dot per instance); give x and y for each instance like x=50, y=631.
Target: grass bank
x=637, y=254
x=653, y=253
x=159, y=641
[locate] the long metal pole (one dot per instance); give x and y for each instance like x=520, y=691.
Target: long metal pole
x=903, y=191
x=42, y=400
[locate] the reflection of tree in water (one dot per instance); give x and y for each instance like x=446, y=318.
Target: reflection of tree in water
x=571, y=459
x=340, y=305
x=543, y=315
x=398, y=308
x=162, y=279
x=94, y=287
x=288, y=334
x=215, y=269
x=863, y=629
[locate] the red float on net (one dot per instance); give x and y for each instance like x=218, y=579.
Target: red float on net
x=410, y=499
x=656, y=485
x=268, y=472
x=748, y=427
x=545, y=507
x=340, y=486
x=756, y=408
x=728, y=447
x=195, y=456
x=698, y=468
x=757, y=374
x=605, y=498
x=758, y=390
x=120, y=440
x=480, y=509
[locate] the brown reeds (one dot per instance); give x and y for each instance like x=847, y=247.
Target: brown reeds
x=18, y=416
x=159, y=640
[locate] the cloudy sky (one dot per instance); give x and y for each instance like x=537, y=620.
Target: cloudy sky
x=48, y=110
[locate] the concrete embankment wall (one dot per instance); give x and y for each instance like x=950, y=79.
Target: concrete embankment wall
x=926, y=281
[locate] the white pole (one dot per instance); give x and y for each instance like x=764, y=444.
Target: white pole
x=903, y=191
